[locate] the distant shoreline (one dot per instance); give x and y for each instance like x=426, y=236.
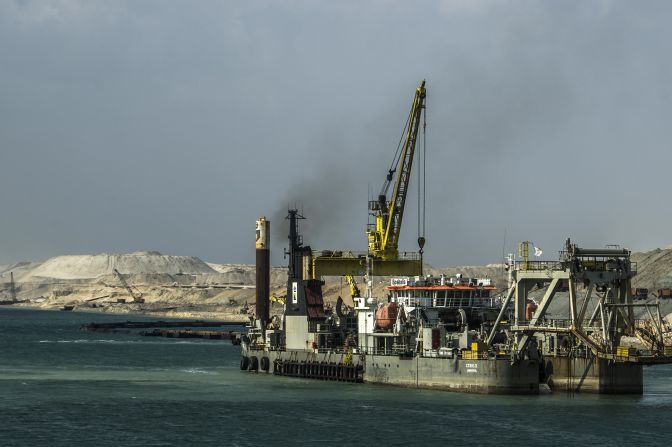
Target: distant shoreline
x=157, y=315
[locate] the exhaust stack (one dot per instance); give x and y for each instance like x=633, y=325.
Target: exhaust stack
x=263, y=271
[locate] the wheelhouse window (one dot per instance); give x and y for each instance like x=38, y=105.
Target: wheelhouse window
x=441, y=298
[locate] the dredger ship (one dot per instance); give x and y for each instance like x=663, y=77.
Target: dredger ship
x=428, y=332
x=451, y=333
x=458, y=333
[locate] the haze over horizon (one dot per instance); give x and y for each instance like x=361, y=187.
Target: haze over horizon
x=172, y=126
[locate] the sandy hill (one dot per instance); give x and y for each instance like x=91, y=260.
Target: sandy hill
x=95, y=266
x=654, y=269
x=19, y=269
x=247, y=274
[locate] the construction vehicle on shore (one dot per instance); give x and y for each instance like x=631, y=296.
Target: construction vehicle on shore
x=12, y=292
x=665, y=293
x=639, y=293
x=135, y=295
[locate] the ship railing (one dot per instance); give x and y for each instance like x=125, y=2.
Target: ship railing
x=565, y=323
x=539, y=265
x=338, y=254
x=593, y=264
x=402, y=255
x=556, y=323
x=443, y=353
x=604, y=264
x=476, y=355
x=395, y=351
x=333, y=350
x=320, y=327
x=553, y=323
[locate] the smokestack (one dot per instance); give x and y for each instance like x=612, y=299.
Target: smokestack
x=263, y=270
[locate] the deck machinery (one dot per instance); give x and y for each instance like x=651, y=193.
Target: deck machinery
x=582, y=352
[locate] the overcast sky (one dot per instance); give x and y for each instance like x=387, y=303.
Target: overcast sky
x=173, y=125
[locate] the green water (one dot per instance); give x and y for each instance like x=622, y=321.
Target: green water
x=62, y=387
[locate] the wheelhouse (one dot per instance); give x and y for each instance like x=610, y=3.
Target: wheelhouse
x=443, y=292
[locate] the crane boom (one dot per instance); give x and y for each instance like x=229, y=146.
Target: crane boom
x=384, y=237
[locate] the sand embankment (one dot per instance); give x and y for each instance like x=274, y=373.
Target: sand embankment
x=186, y=286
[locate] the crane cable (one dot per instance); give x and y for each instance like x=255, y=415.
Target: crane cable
x=422, y=171
x=424, y=166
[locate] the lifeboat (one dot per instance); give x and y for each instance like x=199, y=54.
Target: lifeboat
x=386, y=316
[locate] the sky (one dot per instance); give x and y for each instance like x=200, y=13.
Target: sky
x=172, y=125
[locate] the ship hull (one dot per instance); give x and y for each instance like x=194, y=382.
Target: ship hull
x=592, y=375
x=484, y=376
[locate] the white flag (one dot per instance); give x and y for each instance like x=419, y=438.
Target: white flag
x=537, y=251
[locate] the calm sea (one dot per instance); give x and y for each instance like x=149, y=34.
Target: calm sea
x=63, y=387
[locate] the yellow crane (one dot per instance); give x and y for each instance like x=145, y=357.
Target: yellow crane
x=383, y=257
x=277, y=299
x=383, y=235
x=354, y=289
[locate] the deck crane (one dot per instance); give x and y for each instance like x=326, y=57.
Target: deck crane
x=277, y=299
x=383, y=257
x=354, y=289
x=383, y=235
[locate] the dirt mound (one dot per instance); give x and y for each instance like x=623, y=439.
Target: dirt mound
x=654, y=269
x=247, y=273
x=94, y=266
x=19, y=269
